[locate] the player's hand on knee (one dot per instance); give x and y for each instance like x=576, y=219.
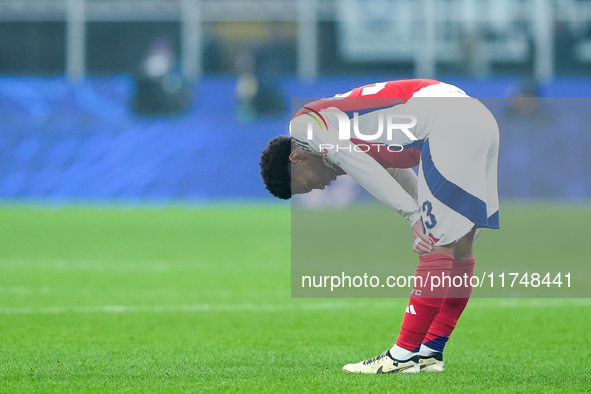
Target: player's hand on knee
x=421, y=243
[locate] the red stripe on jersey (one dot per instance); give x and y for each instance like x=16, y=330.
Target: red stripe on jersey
x=393, y=92
x=407, y=158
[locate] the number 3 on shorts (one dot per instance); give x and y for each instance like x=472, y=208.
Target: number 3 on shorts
x=427, y=208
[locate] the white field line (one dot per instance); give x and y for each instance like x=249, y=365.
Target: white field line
x=107, y=265
x=330, y=305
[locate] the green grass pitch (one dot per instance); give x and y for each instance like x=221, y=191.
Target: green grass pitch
x=98, y=299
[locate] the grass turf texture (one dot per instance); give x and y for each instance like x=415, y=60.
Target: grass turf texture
x=186, y=300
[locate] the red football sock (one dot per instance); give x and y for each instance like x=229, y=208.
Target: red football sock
x=425, y=301
x=452, y=308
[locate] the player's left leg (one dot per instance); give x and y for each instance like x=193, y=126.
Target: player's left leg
x=431, y=352
x=425, y=302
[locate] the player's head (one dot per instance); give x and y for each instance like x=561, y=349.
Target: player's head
x=275, y=167
x=287, y=169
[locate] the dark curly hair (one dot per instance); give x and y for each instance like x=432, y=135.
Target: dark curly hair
x=275, y=167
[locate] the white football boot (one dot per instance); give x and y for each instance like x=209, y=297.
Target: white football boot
x=384, y=363
x=432, y=363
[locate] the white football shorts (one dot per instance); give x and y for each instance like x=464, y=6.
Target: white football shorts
x=457, y=186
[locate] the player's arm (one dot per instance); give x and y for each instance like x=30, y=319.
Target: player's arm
x=375, y=179
x=360, y=166
x=401, y=197
x=407, y=178
x=409, y=181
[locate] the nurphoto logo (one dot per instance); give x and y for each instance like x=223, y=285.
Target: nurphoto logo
x=388, y=122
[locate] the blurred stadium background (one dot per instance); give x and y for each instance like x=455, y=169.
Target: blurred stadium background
x=174, y=99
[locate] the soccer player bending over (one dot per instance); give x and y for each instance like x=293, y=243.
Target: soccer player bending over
x=376, y=134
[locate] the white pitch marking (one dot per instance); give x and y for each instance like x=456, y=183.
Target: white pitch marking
x=202, y=308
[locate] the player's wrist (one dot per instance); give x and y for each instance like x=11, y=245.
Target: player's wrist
x=414, y=217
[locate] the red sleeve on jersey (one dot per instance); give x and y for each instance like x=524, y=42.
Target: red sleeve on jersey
x=394, y=92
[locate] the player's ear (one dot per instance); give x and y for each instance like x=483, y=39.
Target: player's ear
x=298, y=156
